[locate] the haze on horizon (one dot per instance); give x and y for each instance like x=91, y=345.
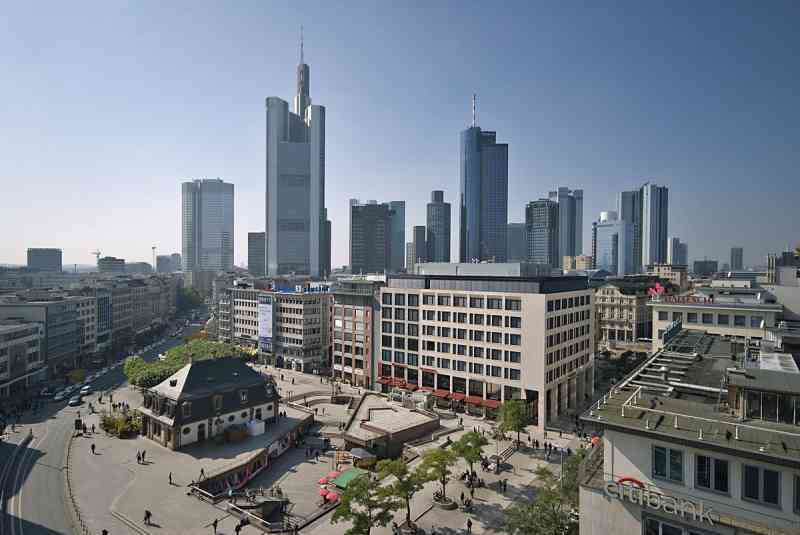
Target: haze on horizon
x=107, y=107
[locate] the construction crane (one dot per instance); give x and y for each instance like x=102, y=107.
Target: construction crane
x=97, y=254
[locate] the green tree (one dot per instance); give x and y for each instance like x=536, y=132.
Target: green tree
x=569, y=486
x=513, y=416
x=406, y=484
x=435, y=466
x=188, y=298
x=364, y=503
x=470, y=447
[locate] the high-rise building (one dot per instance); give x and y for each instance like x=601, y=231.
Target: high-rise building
x=629, y=210
x=612, y=245
x=705, y=268
x=483, y=204
x=677, y=252
x=256, y=253
x=438, y=221
x=420, y=245
x=570, y=222
x=177, y=262
x=397, y=235
x=297, y=232
x=541, y=224
x=44, y=259
x=737, y=258
x=163, y=263
x=411, y=254
x=207, y=229
x=325, y=245
x=516, y=243
x=370, y=236
x=110, y=264
x=655, y=223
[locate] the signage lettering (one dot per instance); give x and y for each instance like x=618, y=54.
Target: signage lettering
x=697, y=511
x=683, y=299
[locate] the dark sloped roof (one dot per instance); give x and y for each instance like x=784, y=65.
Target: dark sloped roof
x=202, y=378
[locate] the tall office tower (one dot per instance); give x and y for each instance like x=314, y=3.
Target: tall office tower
x=655, y=224
x=177, y=262
x=256, y=255
x=570, y=222
x=677, y=252
x=629, y=209
x=295, y=180
x=612, y=243
x=737, y=258
x=370, y=236
x=207, y=229
x=483, y=204
x=541, y=224
x=397, y=235
x=438, y=221
x=44, y=259
x=163, y=264
x=420, y=245
x=516, y=243
x=325, y=239
x=411, y=254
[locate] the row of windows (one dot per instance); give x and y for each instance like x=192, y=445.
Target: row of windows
x=554, y=305
x=759, y=484
x=708, y=318
x=412, y=300
x=567, y=319
x=347, y=348
x=567, y=367
x=570, y=334
x=565, y=352
x=349, y=361
x=411, y=359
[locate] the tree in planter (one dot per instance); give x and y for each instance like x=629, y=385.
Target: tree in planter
x=470, y=448
x=513, y=416
x=364, y=503
x=435, y=466
x=406, y=485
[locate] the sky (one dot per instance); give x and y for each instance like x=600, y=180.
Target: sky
x=107, y=106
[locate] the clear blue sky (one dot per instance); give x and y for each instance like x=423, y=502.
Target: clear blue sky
x=105, y=107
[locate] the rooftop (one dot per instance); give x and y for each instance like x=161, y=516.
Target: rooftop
x=488, y=283
x=377, y=417
x=203, y=378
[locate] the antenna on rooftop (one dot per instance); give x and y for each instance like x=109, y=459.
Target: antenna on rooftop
x=474, y=110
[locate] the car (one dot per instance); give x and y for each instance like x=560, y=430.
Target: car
x=86, y=390
x=104, y=371
x=70, y=389
x=60, y=396
x=74, y=401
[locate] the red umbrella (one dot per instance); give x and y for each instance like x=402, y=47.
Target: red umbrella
x=333, y=475
x=323, y=492
x=332, y=497
x=323, y=480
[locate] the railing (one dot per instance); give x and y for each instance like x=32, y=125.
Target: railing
x=591, y=464
x=78, y=522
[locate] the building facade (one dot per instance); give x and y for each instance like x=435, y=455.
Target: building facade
x=677, y=252
x=44, y=259
x=256, y=253
x=438, y=228
x=516, y=243
x=370, y=237
x=353, y=331
x=22, y=362
x=623, y=316
x=655, y=223
x=705, y=268
x=397, y=235
x=737, y=258
x=207, y=225
x=541, y=223
x=110, y=264
x=418, y=238
x=675, y=274
x=478, y=341
x=296, y=219
x=570, y=222
x=483, y=202
x=612, y=245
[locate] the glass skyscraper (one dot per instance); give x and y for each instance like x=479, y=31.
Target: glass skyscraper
x=541, y=225
x=438, y=228
x=570, y=222
x=207, y=225
x=483, y=172
x=612, y=241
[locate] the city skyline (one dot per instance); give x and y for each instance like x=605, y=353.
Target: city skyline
x=224, y=136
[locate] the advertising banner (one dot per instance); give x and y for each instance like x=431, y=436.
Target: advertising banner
x=265, y=326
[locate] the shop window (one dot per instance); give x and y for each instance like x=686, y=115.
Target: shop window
x=691, y=317
x=708, y=319
x=668, y=464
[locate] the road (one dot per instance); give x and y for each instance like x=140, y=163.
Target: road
x=36, y=503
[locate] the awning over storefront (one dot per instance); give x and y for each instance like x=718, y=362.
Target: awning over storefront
x=384, y=380
x=426, y=388
x=458, y=396
x=474, y=400
x=427, y=370
x=491, y=403
x=443, y=394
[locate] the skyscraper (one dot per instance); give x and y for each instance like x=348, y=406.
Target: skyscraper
x=296, y=221
x=438, y=222
x=370, y=236
x=629, y=209
x=541, y=223
x=655, y=224
x=516, y=243
x=612, y=243
x=420, y=246
x=570, y=222
x=737, y=258
x=44, y=259
x=397, y=235
x=483, y=204
x=207, y=225
x=256, y=255
x=677, y=252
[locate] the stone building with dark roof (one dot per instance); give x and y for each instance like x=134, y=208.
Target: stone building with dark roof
x=204, y=399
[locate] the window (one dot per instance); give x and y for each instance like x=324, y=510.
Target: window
x=459, y=301
x=428, y=299
x=476, y=302
x=413, y=359
x=400, y=313
x=739, y=321
x=386, y=313
x=513, y=304
x=443, y=300
x=515, y=322
x=711, y=474
x=459, y=365
x=413, y=330
x=708, y=319
x=243, y=396
x=494, y=303
x=513, y=356
x=662, y=315
x=413, y=315
x=755, y=322
x=549, y=306
x=413, y=300
x=217, y=403
x=386, y=355
x=514, y=339
x=386, y=299
x=513, y=374
x=187, y=409
x=723, y=319
x=677, y=316
x=399, y=357
x=657, y=527
x=761, y=485
x=400, y=328
x=400, y=299
x=667, y=464
x=691, y=317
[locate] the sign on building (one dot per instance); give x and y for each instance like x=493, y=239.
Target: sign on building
x=265, y=327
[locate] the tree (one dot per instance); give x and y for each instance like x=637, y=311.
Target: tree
x=406, y=485
x=569, y=486
x=470, y=447
x=188, y=298
x=435, y=466
x=364, y=504
x=513, y=416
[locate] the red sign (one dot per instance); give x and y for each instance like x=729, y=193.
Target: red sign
x=656, y=291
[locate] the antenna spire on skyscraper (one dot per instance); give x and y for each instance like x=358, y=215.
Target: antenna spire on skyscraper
x=474, y=110
x=301, y=45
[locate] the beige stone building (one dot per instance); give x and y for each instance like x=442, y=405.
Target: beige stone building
x=621, y=310
x=675, y=274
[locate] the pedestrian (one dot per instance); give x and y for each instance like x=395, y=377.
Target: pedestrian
x=84, y=429
x=93, y=429
x=559, y=433
x=147, y=516
x=93, y=453
x=104, y=532
x=462, y=496
x=238, y=529
x=138, y=457
x=170, y=478
x=143, y=453
x=472, y=491
x=215, y=523
x=505, y=485
x=202, y=474
x=469, y=525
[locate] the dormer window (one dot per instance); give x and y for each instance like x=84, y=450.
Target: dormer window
x=217, y=403
x=187, y=409
x=243, y=396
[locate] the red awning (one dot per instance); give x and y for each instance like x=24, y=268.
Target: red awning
x=441, y=393
x=427, y=388
x=457, y=396
x=474, y=400
x=411, y=386
x=426, y=370
x=384, y=380
x=491, y=403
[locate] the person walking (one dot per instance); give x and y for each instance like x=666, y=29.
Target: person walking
x=215, y=523
x=93, y=429
x=469, y=525
x=147, y=517
x=143, y=454
x=202, y=474
x=505, y=485
x=93, y=452
x=170, y=478
x=462, y=496
x=138, y=457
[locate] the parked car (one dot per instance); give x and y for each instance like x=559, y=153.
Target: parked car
x=60, y=396
x=86, y=390
x=74, y=401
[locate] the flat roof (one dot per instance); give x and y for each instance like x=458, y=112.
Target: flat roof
x=488, y=283
x=376, y=417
